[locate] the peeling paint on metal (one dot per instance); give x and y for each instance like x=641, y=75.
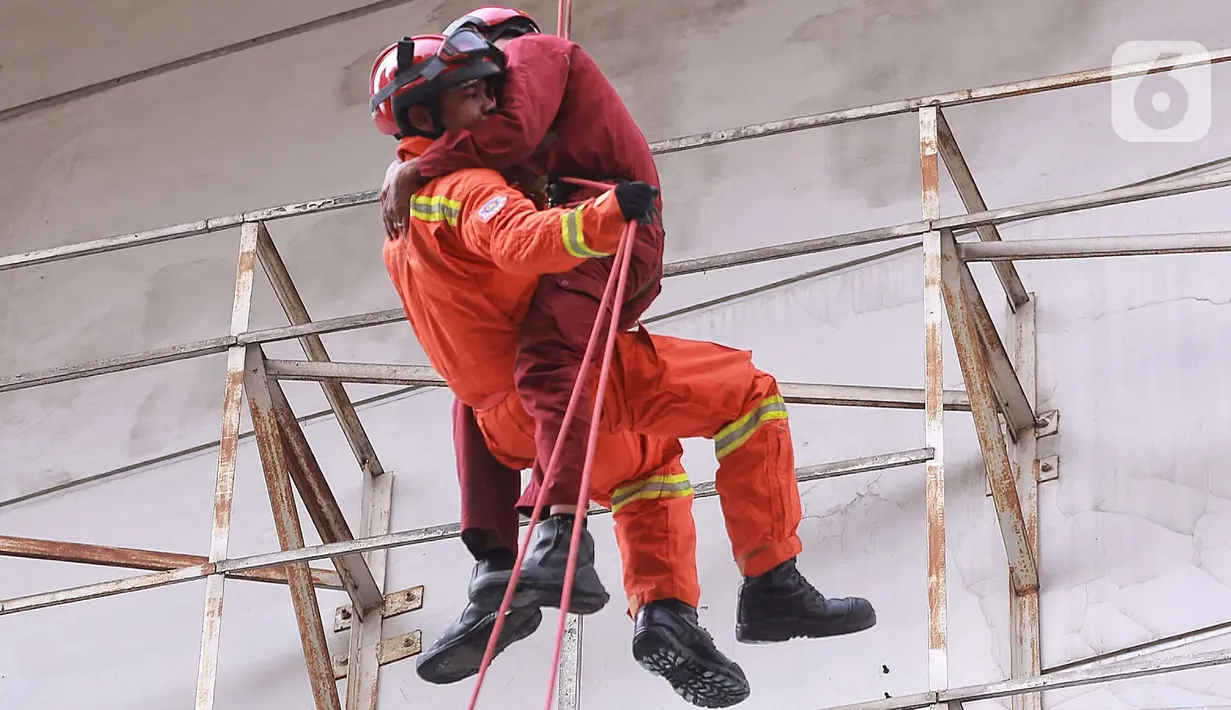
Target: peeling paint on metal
x=290, y=534
x=934, y=436
x=105, y=556
x=976, y=374
x=314, y=348
x=224, y=482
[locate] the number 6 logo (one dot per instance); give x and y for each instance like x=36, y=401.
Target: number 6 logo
x=1172, y=106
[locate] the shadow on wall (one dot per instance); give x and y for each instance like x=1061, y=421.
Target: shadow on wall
x=882, y=50
x=644, y=48
x=620, y=35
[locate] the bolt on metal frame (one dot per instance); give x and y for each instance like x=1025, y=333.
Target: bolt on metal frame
x=1000, y=392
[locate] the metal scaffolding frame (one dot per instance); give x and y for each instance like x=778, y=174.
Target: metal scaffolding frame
x=1000, y=393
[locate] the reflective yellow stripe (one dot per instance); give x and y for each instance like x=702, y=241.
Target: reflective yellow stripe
x=574, y=238
x=733, y=435
x=435, y=208
x=674, y=485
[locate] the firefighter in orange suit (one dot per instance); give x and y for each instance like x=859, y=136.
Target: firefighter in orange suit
x=465, y=271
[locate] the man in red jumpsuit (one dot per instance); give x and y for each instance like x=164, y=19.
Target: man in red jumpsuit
x=552, y=92
x=466, y=270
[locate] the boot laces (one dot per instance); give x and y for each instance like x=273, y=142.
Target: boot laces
x=793, y=579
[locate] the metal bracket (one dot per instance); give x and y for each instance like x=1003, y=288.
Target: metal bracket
x=395, y=603
x=391, y=649
x=1049, y=468
x=1047, y=423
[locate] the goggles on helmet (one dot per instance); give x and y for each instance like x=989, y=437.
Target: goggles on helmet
x=464, y=46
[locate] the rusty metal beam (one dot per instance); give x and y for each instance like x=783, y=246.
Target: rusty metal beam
x=1147, y=648
x=975, y=372
x=722, y=261
x=131, y=558
x=365, y=650
x=1003, y=215
x=1025, y=636
x=306, y=472
x=120, y=363
x=224, y=482
x=1010, y=397
x=368, y=373
x=568, y=685
x=1096, y=247
x=671, y=145
x=933, y=428
x=793, y=392
x=417, y=536
x=968, y=190
x=1073, y=678
x=322, y=506
x=951, y=98
x=290, y=535
x=1208, y=167
x=314, y=349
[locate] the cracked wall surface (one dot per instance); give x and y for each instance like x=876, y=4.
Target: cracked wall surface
x=1135, y=533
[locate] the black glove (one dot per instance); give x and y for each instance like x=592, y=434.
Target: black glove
x=559, y=192
x=636, y=199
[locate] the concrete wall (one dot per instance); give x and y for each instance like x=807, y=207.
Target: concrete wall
x=1134, y=533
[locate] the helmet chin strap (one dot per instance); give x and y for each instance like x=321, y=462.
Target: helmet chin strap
x=434, y=115
x=437, y=117
x=438, y=121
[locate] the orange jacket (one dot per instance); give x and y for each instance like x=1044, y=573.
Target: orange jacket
x=474, y=250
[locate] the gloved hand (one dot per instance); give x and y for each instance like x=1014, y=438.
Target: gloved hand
x=636, y=198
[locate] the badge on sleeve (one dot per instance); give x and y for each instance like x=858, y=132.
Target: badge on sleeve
x=491, y=207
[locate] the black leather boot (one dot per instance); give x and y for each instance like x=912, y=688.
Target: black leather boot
x=781, y=605
x=668, y=641
x=542, y=572
x=456, y=655
x=491, y=574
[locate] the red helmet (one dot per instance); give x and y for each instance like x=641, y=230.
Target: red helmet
x=416, y=70
x=495, y=22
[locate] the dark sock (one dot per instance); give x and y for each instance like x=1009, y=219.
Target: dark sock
x=571, y=517
x=500, y=556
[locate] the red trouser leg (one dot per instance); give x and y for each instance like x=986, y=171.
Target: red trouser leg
x=489, y=488
x=554, y=334
x=672, y=387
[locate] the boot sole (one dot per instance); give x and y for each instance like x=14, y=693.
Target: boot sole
x=589, y=596
x=787, y=629
x=460, y=658
x=703, y=684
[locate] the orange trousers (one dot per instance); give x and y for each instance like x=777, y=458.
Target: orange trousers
x=663, y=389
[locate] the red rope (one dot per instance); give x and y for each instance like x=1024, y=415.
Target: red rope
x=623, y=259
x=564, y=18
x=615, y=287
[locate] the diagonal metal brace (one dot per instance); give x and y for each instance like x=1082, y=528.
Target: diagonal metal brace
x=975, y=371
x=968, y=190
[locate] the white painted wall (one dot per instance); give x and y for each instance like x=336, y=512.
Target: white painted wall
x=1134, y=534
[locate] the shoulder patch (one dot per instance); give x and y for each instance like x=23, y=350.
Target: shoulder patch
x=491, y=207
